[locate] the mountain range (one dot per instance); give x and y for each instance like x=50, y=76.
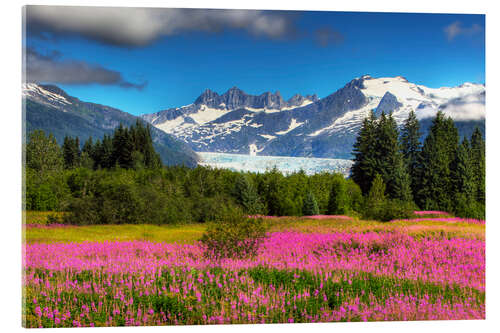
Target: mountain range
x=236, y=122
x=51, y=109
x=267, y=124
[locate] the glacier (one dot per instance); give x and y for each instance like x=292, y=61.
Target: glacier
x=285, y=164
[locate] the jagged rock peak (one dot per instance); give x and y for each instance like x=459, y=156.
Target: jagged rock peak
x=206, y=97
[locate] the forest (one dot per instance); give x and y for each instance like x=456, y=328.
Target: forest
x=121, y=180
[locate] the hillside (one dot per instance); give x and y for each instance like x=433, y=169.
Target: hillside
x=49, y=108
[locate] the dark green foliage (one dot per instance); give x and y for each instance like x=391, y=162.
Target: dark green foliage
x=71, y=152
x=377, y=151
x=364, y=151
x=310, y=206
x=435, y=189
x=234, y=236
x=438, y=175
x=123, y=197
x=246, y=195
x=478, y=155
x=376, y=198
x=401, y=181
x=128, y=148
x=387, y=152
x=355, y=196
x=465, y=183
x=411, y=148
x=339, y=200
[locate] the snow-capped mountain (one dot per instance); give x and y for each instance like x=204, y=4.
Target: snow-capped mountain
x=51, y=109
x=236, y=122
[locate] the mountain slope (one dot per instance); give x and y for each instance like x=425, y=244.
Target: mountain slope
x=50, y=109
x=236, y=122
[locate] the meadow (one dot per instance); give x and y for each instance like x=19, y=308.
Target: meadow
x=309, y=269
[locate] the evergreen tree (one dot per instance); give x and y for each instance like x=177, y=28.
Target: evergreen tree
x=247, y=196
x=387, y=153
x=411, y=148
x=376, y=199
x=435, y=189
x=338, y=202
x=275, y=192
x=107, y=159
x=478, y=157
x=71, y=152
x=465, y=190
x=123, y=147
x=401, y=181
x=364, y=150
x=310, y=205
x=463, y=172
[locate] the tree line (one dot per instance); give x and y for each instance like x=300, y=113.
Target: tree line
x=439, y=173
x=126, y=148
x=120, y=179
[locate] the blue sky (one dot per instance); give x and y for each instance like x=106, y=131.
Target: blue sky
x=141, y=62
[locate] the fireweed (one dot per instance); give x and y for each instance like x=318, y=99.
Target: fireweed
x=295, y=277
x=443, y=219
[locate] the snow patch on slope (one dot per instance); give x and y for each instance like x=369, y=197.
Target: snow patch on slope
x=40, y=94
x=293, y=125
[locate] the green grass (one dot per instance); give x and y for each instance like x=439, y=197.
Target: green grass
x=127, y=232
x=189, y=233
x=34, y=217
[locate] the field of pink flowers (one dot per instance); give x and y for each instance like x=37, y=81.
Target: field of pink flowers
x=296, y=277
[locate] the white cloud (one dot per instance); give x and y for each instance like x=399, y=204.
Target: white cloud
x=455, y=29
x=134, y=27
x=470, y=107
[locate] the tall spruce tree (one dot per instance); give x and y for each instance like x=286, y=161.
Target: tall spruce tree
x=435, y=189
x=71, y=152
x=478, y=156
x=123, y=148
x=401, y=181
x=411, y=148
x=388, y=155
x=246, y=195
x=364, y=150
x=465, y=190
x=463, y=172
x=310, y=205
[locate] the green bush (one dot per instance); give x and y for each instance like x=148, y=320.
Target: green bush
x=468, y=208
x=234, y=236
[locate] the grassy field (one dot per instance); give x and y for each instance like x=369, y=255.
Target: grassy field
x=189, y=233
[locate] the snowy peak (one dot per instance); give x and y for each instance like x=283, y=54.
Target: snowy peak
x=210, y=106
x=46, y=94
x=266, y=124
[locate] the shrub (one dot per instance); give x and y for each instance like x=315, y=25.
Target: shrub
x=53, y=219
x=379, y=207
x=234, y=236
